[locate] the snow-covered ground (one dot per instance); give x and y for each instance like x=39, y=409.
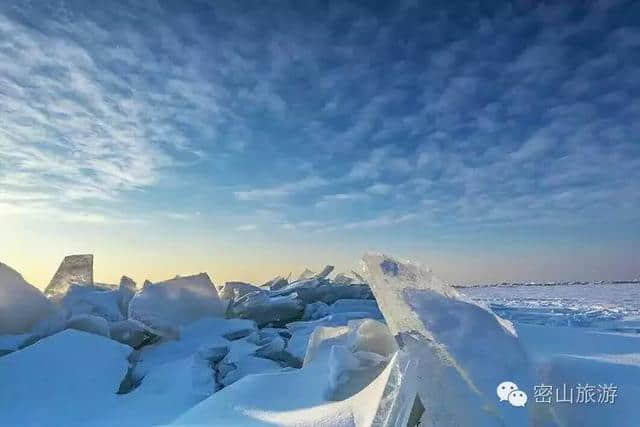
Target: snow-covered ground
x=578, y=335
x=390, y=346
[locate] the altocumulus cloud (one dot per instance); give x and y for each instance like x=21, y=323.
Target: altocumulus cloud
x=440, y=113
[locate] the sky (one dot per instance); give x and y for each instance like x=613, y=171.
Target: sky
x=492, y=141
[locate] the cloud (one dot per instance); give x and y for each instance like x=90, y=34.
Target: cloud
x=381, y=221
x=247, y=227
x=281, y=191
x=517, y=116
x=182, y=216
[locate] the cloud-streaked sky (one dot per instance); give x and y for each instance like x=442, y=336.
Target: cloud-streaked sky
x=491, y=140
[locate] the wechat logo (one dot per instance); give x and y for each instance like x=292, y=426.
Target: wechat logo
x=509, y=391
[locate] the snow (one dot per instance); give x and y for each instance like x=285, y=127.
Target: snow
x=73, y=269
x=165, y=306
x=65, y=379
x=10, y=343
x=205, y=335
x=21, y=304
x=245, y=403
x=455, y=340
x=314, y=352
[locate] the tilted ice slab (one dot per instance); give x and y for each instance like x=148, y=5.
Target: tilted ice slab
x=73, y=269
x=21, y=304
x=166, y=306
x=464, y=350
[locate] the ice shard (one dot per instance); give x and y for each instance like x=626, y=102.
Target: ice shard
x=166, y=306
x=306, y=274
x=325, y=272
x=463, y=350
x=73, y=269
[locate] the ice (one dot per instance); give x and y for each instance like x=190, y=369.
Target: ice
x=264, y=309
x=89, y=323
x=356, y=305
x=325, y=272
x=315, y=310
x=128, y=332
x=126, y=291
x=306, y=274
x=386, y=401
x=88, y=299
x=234, y=290
x=368, y=335
x=330, y=293
x=276, y=283
x=73, y=269
x=464, y=348
x=343, y=279
x=21, y=304
x=205, y=335
x=66, y=379
x=166, y=306
x=301, y=331
x=246, y=366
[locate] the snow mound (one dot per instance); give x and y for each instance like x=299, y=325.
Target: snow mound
x=166, y=306
x=66, y=379
x=21, y=304
x=464, y=348
x=73, y=269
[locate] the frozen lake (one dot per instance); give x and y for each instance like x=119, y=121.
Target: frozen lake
x=605, y=306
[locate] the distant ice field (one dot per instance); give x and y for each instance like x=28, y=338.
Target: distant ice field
x=603, y=306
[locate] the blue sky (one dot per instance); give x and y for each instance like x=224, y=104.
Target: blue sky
x=493, y=140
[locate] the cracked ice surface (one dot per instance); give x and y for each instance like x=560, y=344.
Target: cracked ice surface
x=463, y=349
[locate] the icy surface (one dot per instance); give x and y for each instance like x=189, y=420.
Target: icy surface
x=73, y=269
x=455, y=342
x=21, y=304
x=611, y=306
x=166, y=306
